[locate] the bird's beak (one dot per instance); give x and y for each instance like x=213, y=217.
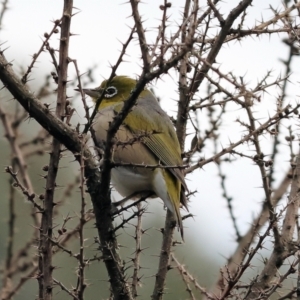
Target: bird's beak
x=94, y=93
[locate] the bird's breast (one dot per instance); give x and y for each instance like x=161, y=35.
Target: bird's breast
x=129, y=154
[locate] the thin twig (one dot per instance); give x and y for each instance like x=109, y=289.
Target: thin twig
x=35, y=56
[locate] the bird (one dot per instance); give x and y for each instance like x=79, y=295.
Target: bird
x=146, y=138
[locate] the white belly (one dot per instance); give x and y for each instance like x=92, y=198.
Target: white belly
x=127, y=181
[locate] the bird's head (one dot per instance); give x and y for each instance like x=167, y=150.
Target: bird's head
x=117, y=90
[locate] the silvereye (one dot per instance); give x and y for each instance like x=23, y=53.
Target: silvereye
x=155, y=142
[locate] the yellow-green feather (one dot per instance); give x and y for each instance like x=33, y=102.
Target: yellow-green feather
x=160, y=137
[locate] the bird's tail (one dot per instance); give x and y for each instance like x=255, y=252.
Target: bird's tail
x=179, y=221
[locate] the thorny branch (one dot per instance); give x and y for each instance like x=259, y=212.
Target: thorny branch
x=45, y=246
x=193, y=46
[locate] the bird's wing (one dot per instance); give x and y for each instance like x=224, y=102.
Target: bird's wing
x=160, y=137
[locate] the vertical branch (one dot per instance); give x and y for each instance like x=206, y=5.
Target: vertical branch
x=182, y=117
x=258, y=158
x=163, y=31
x=141, y=34
x=164, y=256
x=138, y=250
x=6, y=283
x=45, y=246
x=222, y=176
x=280, y=103
x=80, y=275
x=182, y=113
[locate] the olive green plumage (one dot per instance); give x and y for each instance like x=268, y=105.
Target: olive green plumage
x=155, y=142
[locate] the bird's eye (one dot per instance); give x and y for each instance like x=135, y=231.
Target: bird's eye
x=110, y=92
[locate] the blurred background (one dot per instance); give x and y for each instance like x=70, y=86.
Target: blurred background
x=99, y=28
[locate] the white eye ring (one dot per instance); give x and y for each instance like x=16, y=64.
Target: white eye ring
x=110, y=92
